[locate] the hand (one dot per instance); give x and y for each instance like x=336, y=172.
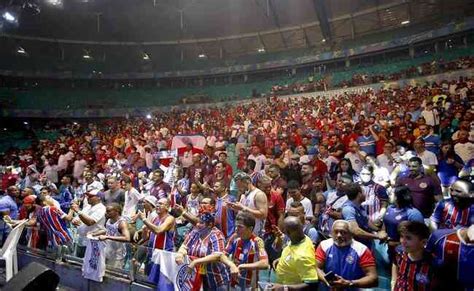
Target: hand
x=136, y=236
x=235, y=205
x=234, y=272
x=275, y=264
x=103, y=237
x=75, y=207
x=76, y=222
x=276, y=231
x=179, y=209
x=190, y=268
x=179, y=259
x=383, y=236
x=340, y=282
x=141, y=215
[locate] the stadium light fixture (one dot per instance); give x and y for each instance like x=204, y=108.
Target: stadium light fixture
x=261, y=50
x=145, y=56
x=86, y=55
x=201, y=56
x=148, y=116
x=25, y=123
x=9, y=16
x=323, y=40
x=405, y=22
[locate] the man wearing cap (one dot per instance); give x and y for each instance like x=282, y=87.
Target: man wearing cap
x=91, y=218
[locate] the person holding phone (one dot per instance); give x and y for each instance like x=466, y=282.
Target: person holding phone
x=344, y=263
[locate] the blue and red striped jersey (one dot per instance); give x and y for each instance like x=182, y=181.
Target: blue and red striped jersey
x=56, y=228
x=413, y=275
x=449, y=215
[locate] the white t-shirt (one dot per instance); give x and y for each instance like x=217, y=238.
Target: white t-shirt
x=308, y=207
x=97, y=213
x=465, y=151
x=259, y=161
x=93, y=267
x=385, y=162
x=428, y=158
x=356, y=162
x=62, y=162
x=132, y=198
x=51, y=172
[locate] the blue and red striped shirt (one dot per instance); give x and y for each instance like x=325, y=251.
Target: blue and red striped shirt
x=453, y=259
x=225, y=216
x=56, y=227
x=246, y=252
x=413, y=275
x=449, y=215
x=164, y=240
x=215, y=274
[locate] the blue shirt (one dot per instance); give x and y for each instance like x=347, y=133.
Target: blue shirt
x=8, y=204
x=367, y=144
x=432, y=143
x=352, y=211
x=395, y=216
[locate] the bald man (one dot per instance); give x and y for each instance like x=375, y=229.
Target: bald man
x=296, y=268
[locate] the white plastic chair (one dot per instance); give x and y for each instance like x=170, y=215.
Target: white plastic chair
x=8, y=252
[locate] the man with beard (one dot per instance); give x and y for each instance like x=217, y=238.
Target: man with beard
x=424, y=188
x=457, y=211
x=225, y=216
x=351, y=262
x=306, y=179
x=196, y=171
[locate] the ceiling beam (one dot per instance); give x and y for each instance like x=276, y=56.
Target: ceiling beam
x=321, y=12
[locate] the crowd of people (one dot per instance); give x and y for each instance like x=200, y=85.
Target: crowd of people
x=325, y=192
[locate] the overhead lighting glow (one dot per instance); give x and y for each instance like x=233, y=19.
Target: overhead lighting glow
x=21, y=51
x=146, y=57
x=201, y=56
x=55, y=2
x=405, y=22
x=324, y=40
x=148, y=116
x=8, y=16
x=25, y=123
x=261, y=50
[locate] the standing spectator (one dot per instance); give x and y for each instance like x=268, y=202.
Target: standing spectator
x=295, y=195
x=66, y=194
x=89, y=184
x=202, y=241
x=115, y=194
x=428, y=158
x=88, y=220
x=159, y=188
x=456, y=211
x=464, y=147
x=116, y=234
x=424, y=188
x=253, y=201
x=297, y=264
x=356, y=215
x=258, y=157
x=225, y=216
x=278, y=183
x=449, y=164
x=131, y=198
x=453, y=253
x=350, y=261
x=412, y=268
x=431, y=116
x=431, y=140
x=376, y=197
x=386, y=159
x=401, y=210
x=79, y=165
x=367, y=140
x=355, y=156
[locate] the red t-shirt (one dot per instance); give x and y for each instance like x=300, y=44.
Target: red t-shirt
x=275, y=204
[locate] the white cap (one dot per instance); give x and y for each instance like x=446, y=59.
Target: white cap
x=151, y=199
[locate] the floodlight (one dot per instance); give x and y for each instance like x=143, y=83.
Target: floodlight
x=9, y=16
x=405, y=22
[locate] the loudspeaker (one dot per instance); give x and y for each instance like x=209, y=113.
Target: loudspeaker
x=33, y=277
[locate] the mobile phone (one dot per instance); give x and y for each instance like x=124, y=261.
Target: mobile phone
x=330, y=276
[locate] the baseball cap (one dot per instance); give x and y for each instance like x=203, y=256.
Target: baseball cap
x=30, y=199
